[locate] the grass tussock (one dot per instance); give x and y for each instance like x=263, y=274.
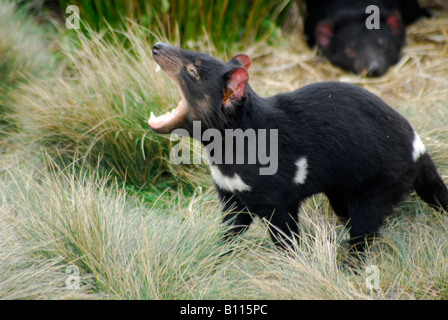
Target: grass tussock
x=410, y=259
x=99, y=106
x=23, y=52
x=129, y=251
x=24, y=275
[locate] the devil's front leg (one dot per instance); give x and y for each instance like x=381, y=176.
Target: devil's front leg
x=282, y=224
x=236, y=216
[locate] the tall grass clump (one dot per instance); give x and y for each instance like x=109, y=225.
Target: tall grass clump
x=123, y=248
x=410, y=258
x=226, y=23
x=23, y=275
x=23, y=52
x=413, y=259
x=98, y=107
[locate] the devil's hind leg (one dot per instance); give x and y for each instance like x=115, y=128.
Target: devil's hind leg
x=367, y=210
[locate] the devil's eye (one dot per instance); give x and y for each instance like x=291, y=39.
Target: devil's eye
x=383, y=44
x=350, y=52
x=193, y=72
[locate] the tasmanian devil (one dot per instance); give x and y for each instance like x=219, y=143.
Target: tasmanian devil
x=332, y=138
x=345, y=33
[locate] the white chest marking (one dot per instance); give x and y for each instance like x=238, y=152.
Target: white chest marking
x=418, y=148
x=231, y=184
x=302, y=170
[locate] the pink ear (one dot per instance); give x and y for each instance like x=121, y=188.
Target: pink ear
x=242, y=60
x=236, y=84
x=324, y=32
x=393, y=20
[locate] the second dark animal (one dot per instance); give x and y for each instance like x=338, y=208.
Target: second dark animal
x=338, y=27
x=329, y=137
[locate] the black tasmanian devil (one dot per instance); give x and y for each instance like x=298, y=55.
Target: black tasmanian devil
x=342, y=32
x=330, y=137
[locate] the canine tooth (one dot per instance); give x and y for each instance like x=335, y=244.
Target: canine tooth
x=158, y=68
x=152, y=116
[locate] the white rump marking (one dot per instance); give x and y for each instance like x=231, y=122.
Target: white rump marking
x=302, y=170
x=418, y=148
x=231, y=184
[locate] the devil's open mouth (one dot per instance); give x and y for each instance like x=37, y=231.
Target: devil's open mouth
x=167, y=118
x=170, y=120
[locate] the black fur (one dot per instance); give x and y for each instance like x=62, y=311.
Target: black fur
x=358, y=150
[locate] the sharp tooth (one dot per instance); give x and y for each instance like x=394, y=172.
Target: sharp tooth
x=152, y=116
x=158, y=68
